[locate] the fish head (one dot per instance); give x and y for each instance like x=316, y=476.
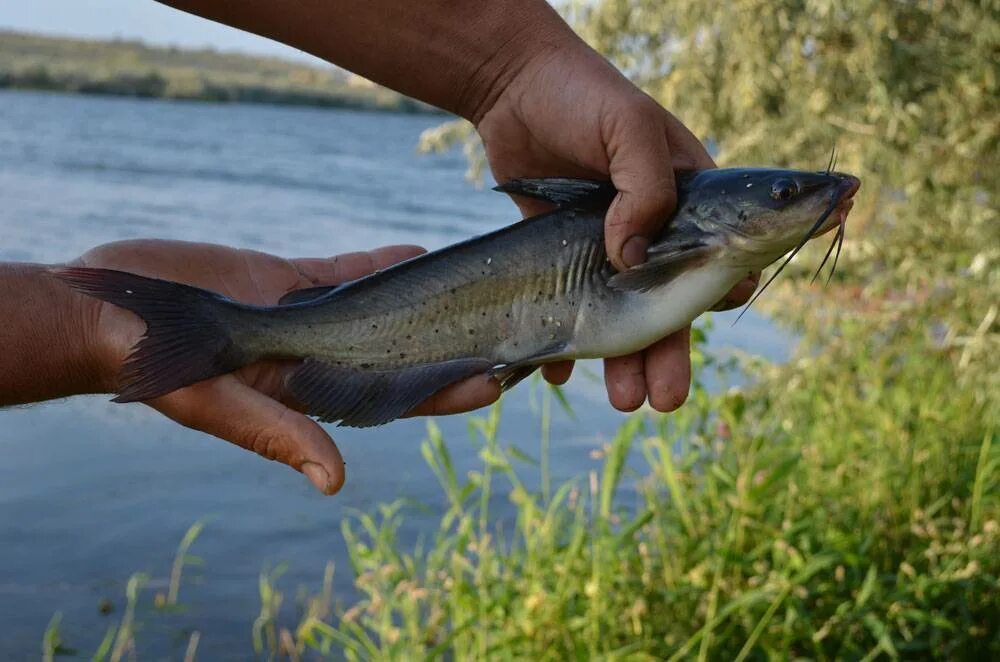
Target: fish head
x=762, y=213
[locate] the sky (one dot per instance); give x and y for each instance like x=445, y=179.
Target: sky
x=133, y=19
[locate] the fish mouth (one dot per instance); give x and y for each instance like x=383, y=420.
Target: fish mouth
x=843, y=193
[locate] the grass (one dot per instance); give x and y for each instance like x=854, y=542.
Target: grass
x=130, y=68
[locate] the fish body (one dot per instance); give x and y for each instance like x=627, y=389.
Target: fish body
x=537, y=291
x=539, y=288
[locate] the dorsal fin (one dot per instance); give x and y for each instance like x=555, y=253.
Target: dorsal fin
x=563, y=191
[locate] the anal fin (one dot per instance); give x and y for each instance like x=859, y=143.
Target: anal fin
x=365, y=398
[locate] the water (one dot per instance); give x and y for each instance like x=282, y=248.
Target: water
x=91, y=492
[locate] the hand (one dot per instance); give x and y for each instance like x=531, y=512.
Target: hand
x=249, y=407
x=569, y=113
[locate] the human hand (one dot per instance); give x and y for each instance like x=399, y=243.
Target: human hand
x=249, y=407
x=567, y=112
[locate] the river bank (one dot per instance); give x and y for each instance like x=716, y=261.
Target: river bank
x=134, y=69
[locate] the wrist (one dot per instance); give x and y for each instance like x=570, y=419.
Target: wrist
x=526, y=36
x=90, y=353
x=47, y=338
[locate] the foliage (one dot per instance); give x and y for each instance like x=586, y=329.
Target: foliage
x=128, y=68
x=907, y=91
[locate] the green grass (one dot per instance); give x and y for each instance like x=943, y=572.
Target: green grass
x=129, y=68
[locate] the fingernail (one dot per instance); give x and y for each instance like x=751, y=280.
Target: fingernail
x=634, y=251
x=317, y=476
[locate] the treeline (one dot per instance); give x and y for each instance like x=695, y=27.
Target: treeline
x=133, y=69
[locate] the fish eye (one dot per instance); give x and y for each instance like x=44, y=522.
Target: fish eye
x=783, y=189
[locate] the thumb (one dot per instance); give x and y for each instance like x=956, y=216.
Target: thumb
x=641, y=170
x=227, y=408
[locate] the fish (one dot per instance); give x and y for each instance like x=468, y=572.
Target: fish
x=503, y=304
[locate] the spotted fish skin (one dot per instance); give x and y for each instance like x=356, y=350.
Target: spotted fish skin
x=505, y=297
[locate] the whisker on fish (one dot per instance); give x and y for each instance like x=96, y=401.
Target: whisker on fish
x=825, y=257
x=840, y=242
x=809, y=235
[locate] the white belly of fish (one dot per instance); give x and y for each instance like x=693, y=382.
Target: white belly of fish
x=635, y=320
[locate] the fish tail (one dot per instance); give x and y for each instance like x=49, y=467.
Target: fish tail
x=187, y=337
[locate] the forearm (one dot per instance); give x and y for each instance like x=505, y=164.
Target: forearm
x=43, y=344
x=454, y=55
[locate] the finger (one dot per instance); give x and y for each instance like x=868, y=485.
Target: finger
x=645, y=145
x=466, y=395
x=625, y=381
x=229, y=409
x=557, y=373
x=668, y=371
x=640, y=168
x=330, y=271
x=739, y=295
x=686, y=151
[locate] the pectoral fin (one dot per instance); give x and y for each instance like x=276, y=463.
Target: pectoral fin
x=662, y=266
x=365, y=398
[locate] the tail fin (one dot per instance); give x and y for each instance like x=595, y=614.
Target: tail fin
x=187, y=338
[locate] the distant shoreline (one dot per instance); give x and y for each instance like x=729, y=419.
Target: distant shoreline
x=134, y=70
x=221, y=104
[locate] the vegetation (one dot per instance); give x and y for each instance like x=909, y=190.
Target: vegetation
x=845, y=505
x=130, y=68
